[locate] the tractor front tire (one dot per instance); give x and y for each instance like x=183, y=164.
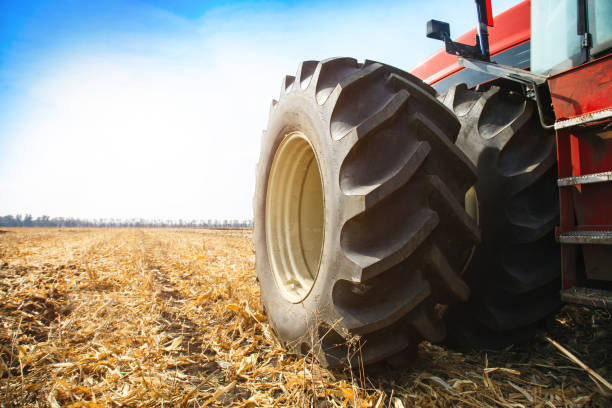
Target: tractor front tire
x=360, y=229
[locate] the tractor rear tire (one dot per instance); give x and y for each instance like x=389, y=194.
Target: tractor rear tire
x=515, y=273
x=359, y=221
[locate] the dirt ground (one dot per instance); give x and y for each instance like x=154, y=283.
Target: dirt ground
x=158, y=317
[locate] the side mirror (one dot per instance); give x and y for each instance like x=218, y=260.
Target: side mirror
x=438, y=30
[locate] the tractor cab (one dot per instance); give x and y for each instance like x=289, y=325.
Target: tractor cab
x=569, y=33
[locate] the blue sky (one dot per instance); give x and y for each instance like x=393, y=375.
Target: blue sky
x=154, y=109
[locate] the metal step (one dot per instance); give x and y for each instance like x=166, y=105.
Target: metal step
x=586, y=119
x=606, y=176
x=588, y=296
x=586, y=237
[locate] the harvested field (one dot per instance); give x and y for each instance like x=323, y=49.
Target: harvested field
x=157, y=317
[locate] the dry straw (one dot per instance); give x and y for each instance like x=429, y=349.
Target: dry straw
x=124, y=317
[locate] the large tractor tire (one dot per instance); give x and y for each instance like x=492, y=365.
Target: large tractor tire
x=360, y=229
x=514, y=275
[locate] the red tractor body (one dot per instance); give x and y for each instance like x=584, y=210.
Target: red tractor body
x=580, y=98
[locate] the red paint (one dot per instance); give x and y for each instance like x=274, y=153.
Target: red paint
x=575, y=157
x=583, y=89
x=583, y=150
x=566, y=203
x=513, y=28
x=489, y=14
x=591, y=152
x=564, y=153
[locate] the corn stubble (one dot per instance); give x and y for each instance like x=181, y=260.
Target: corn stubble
x=158, y=317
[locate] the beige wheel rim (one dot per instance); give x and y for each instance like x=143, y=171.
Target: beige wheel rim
x=295, y=217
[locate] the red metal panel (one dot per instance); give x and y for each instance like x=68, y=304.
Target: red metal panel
x=566, y=203
x=583, y=150
x=587, y=207
x=595, y=156
x=591, y=152
x=582, y=90
x=564, y=161
x=512, y=28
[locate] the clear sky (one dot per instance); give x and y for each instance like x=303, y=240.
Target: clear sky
x=154, y=109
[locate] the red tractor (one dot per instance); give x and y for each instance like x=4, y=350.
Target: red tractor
x=392, y=207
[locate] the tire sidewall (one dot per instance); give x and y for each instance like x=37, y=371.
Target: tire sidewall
x=296, y=323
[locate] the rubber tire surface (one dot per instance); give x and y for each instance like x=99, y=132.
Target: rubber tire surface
x=396, y=234
x=515, y=273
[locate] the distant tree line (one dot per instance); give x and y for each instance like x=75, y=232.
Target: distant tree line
x=46, y=221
